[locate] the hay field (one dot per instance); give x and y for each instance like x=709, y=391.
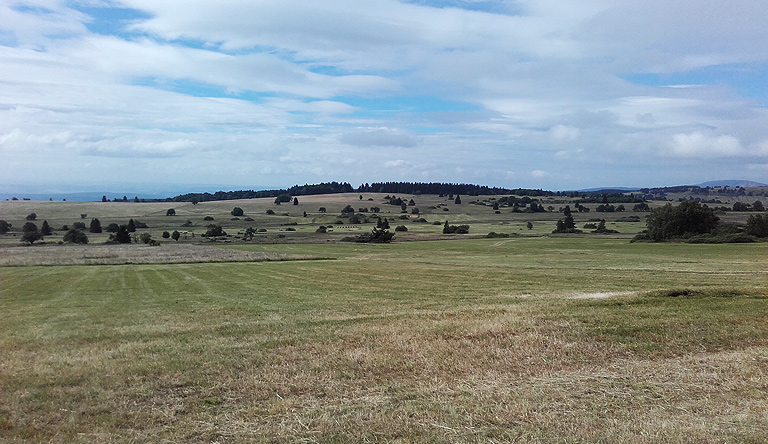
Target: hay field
x=531, y=339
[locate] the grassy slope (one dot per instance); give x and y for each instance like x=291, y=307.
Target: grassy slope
x=443, y=341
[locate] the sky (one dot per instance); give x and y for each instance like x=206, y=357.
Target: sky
x=248, y=94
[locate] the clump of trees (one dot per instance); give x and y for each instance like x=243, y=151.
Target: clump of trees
x=376, y=236
x=455, y=229
x=237, y=212
x=757, y=225
x=566, y=224
x=683, y=221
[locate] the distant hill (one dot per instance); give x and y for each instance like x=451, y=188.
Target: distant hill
x=609, y=190
x=732, y=183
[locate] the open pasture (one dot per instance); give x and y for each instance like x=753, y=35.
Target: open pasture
x=467, y=340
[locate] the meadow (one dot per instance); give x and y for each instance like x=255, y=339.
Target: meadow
x=529, y=338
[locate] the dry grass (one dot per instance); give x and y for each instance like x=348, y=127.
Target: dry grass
x=130, y=254
x=409, y=343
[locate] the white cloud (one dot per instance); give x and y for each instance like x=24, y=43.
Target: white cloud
x=379, y=137
x=537, y=83
x=700, y=145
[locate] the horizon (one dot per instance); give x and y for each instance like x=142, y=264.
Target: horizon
x=529, y=94
x=78, y=194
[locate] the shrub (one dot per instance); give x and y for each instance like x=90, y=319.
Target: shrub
x=237, y=211
x=166, y=235
x=270, y=212
x=145, y=237
x=248, y=219
x=4, y=227
x=187, y=224
x=208, y=218
x=214, y=231
x=79, y=226
x=74, y=236
x=170, y=212
x=401, y=228
x=112, y=228
x=31, y=216
x=321, y=229
x=175, y=235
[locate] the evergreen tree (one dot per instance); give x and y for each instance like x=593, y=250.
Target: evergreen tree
x=122, y=235
x=131, y=226
x=46, y=230
x=95, y=226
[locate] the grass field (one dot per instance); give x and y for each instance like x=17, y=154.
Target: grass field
x=527, y=339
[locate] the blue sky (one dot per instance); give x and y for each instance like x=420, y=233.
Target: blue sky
x=247, y=93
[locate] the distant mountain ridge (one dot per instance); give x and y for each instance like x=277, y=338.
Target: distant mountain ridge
x=732, y=183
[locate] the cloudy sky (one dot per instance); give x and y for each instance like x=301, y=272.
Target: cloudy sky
x=240, y=94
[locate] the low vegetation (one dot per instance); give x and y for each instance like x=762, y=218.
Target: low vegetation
x=271, y=335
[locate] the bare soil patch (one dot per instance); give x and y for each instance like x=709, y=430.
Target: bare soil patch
x=131, y=254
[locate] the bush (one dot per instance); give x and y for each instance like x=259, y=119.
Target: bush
x=74, y=236
x=31, y=216
x=248, y=219
x=145, y=237
x=726, y=238
x=112, y=228
x=401, y=228
x=4, y=227
x=166, y=235
x=493, y=235
x=214, y=231
x=208, y=218
x=270, y=212
x=79, y=226
x=170, y=212
x=237, y=212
